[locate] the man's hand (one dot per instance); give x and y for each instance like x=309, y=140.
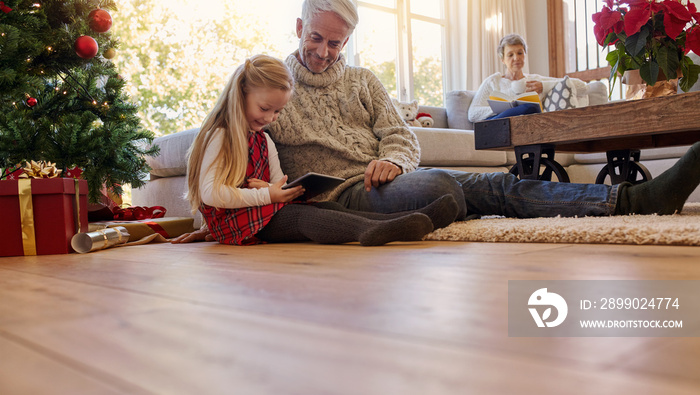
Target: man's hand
x=279, y=195
x=197, y=235
x=380, y=172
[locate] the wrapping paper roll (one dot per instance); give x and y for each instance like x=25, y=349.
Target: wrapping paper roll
x=100, y=239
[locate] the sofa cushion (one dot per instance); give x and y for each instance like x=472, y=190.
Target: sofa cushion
x=450, y=147
x=172, y=160
x=562, y=96
x=597, y=93
x=457, y=104
x=167, y=192
x=696, y=59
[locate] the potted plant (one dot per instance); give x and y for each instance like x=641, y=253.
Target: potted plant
x=651, y=36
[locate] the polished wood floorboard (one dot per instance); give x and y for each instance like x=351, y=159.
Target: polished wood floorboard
x=406, y=318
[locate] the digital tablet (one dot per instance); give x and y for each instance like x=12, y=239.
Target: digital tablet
x=315, y=184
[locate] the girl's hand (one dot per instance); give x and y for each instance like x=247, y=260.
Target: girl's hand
x=197, y=235
x=279, y=195
x=254, y=183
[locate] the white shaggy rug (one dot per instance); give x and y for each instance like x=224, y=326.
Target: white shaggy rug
x=677, y=229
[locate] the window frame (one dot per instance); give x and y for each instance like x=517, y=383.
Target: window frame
x=557, y=47
x=405, y=58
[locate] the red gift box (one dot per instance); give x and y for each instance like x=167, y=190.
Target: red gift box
x=52, y=218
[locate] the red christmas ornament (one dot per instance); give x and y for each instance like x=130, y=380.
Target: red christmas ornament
x=86, y=47
x=4, y=8
x=100, y=20
x=31, y=102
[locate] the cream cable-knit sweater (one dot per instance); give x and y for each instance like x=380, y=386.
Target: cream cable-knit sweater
x=337, y=122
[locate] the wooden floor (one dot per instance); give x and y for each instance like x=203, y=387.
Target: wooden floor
x=407, y=318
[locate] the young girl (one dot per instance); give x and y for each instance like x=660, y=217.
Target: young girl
x=235, y=179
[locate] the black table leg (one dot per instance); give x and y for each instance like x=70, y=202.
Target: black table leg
x=623, y=165
x=531, y=159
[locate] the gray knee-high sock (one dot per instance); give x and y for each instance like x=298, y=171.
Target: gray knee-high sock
x=284, y=226
x=299, y=222
x=665, y=194
x=441, y=211
x=336, y=227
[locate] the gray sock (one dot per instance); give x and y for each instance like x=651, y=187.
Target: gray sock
x=441, y=211
x=665, y=194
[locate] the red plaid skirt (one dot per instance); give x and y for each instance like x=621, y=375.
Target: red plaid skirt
x=239, y=225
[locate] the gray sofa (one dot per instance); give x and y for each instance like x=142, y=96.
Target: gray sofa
x=448, y=144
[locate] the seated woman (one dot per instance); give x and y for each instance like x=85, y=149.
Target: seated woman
x=512, y=50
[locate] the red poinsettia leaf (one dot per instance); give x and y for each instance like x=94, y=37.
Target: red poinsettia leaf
x=692, y=40
x=619, y=27
x=636, y=3
x=673, y=25
x=609, y=3
x=606, y=18
x=694, y=12
x=599, y=34
x=657, y=7
x=635, y=19
x=678, y=10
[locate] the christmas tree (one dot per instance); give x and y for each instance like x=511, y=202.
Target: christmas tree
x=61, y=98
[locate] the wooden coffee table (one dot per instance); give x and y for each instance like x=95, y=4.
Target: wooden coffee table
x=620, y=129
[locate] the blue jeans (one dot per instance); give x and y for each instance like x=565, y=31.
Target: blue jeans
x=484, y=194
x=522, y=109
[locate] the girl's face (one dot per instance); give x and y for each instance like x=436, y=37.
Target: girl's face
x=514, y=58
x=263, y=106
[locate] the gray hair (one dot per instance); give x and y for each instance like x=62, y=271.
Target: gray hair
x=511, y=39
x=345, y=9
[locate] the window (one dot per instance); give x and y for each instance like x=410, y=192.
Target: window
x=403, y=42
x=177, y=54
x=573, y=47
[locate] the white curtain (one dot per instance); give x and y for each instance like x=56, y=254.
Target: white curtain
x=476, y=27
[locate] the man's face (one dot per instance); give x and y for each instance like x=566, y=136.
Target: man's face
x=321, y=40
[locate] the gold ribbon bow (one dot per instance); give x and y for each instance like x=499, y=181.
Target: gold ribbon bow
x=40, y=169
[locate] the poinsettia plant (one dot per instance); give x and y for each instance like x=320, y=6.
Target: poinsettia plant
x=651, y=36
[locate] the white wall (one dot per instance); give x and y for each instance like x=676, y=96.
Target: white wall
x=537, y=36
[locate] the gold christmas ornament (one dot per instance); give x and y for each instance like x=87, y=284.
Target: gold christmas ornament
x=110, y=53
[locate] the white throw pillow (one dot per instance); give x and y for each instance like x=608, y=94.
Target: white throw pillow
x=562, y=96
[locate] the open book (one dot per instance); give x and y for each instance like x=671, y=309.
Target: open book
x=500, y=101
x=315, y=184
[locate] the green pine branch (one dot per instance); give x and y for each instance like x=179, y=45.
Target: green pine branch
x=83, y=116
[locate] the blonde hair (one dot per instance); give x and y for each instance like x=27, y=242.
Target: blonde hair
x=259, y=71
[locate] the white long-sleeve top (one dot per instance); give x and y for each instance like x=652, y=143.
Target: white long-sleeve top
x=223, y=196
x=480, y=109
